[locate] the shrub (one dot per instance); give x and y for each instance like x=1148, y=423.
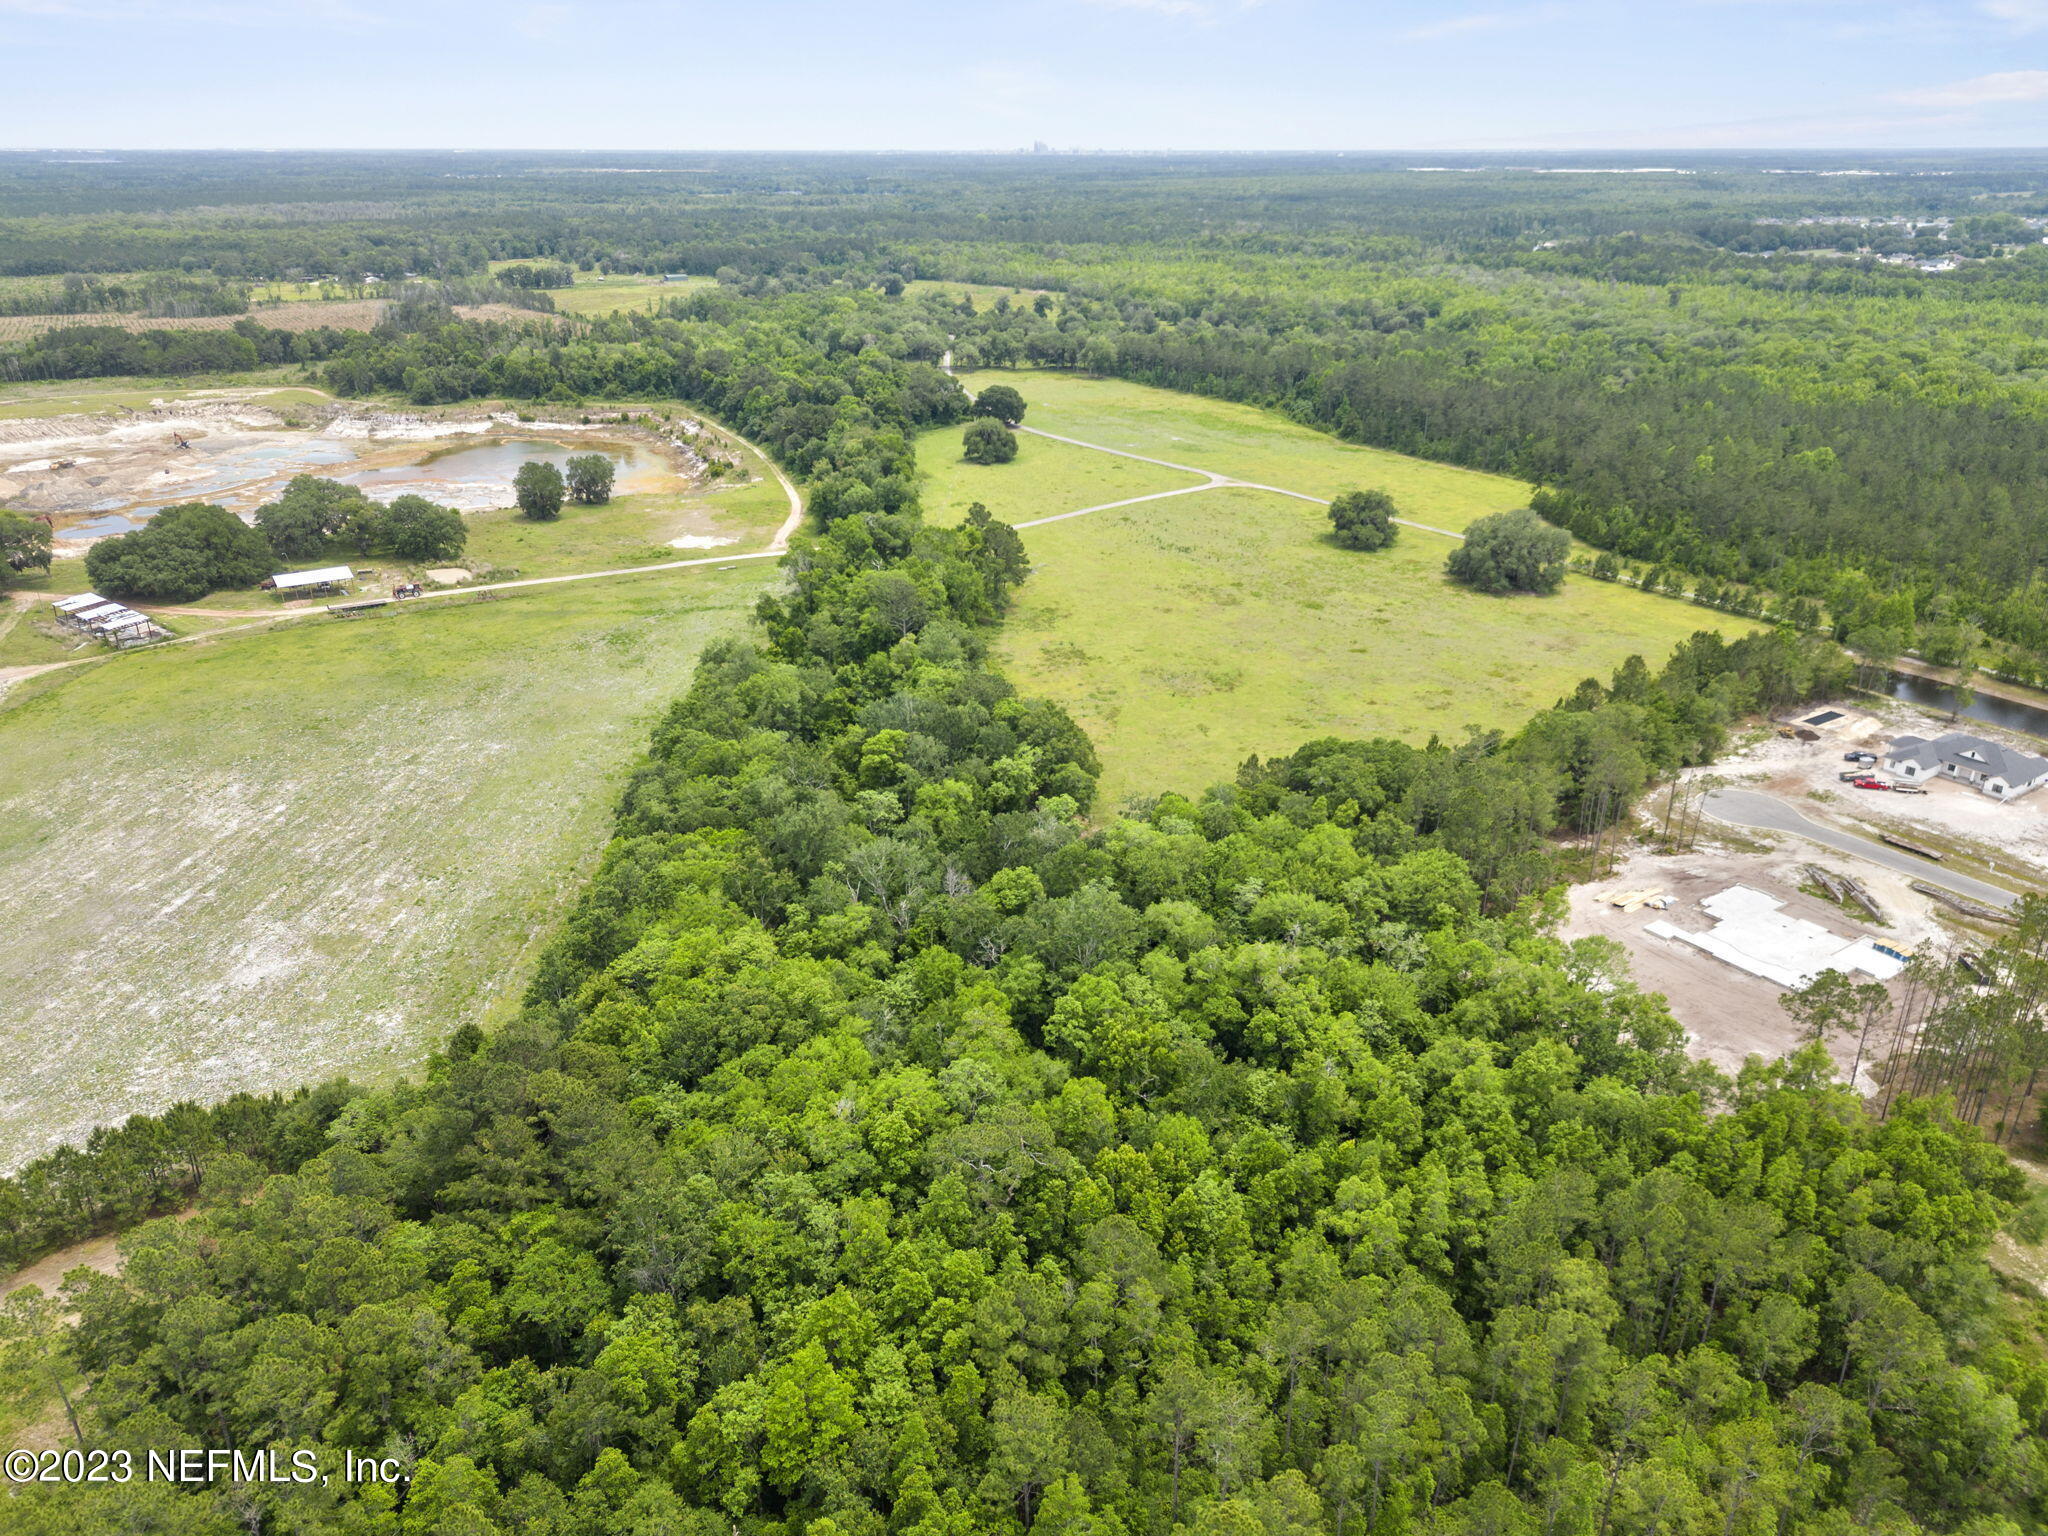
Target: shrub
x=1364, y=519
x=312, y=511
x=1002, y=403
x=24, y=545
x=590, y=478
x=989, y=442
x=1511, y=552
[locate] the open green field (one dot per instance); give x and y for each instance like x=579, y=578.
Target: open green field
x=257, y=861
x=983, y=294
x=1246, y=443
x=30, y=638
x=630, y=530
x=595, y=295
x=1188, y=633
x=1045, y=479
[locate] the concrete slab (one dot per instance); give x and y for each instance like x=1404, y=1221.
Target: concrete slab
x=1754, y=934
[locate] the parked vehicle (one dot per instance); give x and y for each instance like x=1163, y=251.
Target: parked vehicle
x=1909, y=789
x=1859, y=757
x=1851, y=775
x=1866, y=782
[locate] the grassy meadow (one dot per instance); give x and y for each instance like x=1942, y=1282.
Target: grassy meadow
x=1188, y=633
x=984, y=295
x=629, y=531
x=1246, y=443
x=595, y=295
x=1044, y=480
x=260, y=860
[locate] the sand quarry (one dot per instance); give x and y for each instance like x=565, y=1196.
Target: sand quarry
x=100, y=475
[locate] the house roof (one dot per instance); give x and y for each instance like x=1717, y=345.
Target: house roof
x=1963, y=750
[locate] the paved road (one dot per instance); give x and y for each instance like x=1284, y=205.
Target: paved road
x=1747, y=808
x=1213, y=481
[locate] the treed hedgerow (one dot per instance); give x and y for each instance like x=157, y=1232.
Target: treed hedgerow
x=894, y=1140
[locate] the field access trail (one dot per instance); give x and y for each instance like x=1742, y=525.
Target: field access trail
x=1211, y=481
x=1767, y=813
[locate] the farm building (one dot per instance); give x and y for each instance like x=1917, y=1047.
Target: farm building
x=2000, y=772
x=104, y=619
x=329, y=578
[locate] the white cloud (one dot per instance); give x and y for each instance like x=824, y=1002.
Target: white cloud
x=2007, y=86
x=2020, y=15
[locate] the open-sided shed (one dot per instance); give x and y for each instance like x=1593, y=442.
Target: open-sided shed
x=329, y=578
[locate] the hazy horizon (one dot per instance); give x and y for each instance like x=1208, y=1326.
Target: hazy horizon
x=1132, y=76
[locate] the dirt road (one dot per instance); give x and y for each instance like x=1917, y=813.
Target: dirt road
x=1747, y=808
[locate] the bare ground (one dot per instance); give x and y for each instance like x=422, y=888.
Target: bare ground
x=241, y=449
x=1729, y=1014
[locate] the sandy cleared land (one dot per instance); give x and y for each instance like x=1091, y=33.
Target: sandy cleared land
x=240, y=450
x=259, y=861
x=1731, y=1014
x=1728, y=1013
x=47, y=1273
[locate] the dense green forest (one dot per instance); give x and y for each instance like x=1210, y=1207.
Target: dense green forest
x=891, y=1142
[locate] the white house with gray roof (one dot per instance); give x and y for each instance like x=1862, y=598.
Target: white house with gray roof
x=1998, y=771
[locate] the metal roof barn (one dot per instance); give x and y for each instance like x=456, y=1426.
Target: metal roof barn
x=326, y=576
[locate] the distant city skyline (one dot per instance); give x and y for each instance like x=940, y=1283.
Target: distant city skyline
x=1091, y=74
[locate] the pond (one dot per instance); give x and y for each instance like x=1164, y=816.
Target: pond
x=489, y=467
x=241, y=471
x=2007, y=713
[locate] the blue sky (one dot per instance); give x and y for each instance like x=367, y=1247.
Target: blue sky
x=1117, y=74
